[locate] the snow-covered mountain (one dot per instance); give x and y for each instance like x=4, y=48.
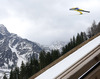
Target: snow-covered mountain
x=14, y=49
x=57, y=45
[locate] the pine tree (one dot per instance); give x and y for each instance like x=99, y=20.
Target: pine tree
x=35, y=66
x=69, y=47
x=16, y=73
x=22, y=71
x=28, y=70
x=98, y=28
x=42, y=58
x=48, y=58
x=81, y=37
x=64, y=50
x=78, y=39
x=11, y=74
x=92, y=30
x=74, y=41
x=85, y=36
x=55, y=54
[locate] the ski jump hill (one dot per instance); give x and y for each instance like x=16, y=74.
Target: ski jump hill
x=82, y=62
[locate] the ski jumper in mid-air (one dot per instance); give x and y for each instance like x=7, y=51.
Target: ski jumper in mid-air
x=79, y=10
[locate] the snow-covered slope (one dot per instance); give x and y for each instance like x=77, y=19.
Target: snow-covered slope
x=60, y=67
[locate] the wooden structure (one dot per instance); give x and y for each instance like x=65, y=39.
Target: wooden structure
x=77, y=70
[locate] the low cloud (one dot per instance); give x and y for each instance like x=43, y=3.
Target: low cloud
x=45, y=21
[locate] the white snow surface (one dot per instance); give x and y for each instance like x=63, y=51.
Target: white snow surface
x=20, y=58
x=6, y=71
x=1, y=75
x=67, y=62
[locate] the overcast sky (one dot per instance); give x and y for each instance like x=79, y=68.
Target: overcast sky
x=46, y=21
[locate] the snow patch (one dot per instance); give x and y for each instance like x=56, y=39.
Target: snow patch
x=6, y=71
x=1, y=41
x=20, y=58
x=10, y=63
x=6, y=65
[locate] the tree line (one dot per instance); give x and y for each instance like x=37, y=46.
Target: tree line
x=34, y=65
x=45, y=58
x=94, y=29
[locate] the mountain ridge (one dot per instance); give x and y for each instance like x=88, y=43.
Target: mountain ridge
x=15, y=49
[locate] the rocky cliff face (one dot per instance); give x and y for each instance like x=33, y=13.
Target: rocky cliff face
x=14, y=49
